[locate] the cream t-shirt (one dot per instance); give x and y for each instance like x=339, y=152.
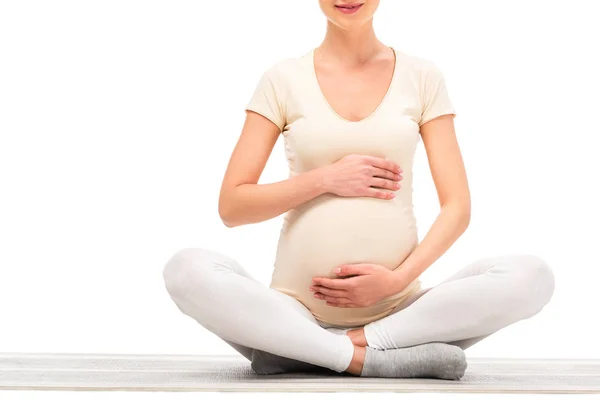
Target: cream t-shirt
x=331, y=230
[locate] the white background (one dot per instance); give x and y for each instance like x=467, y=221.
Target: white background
x=117, y=119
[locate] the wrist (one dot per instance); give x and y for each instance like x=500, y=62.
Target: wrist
x=321, y=176
x=398, y=281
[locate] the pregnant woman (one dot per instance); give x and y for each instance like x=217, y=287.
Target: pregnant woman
x=345, y=293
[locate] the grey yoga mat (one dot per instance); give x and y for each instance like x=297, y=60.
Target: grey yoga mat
x=232, y=373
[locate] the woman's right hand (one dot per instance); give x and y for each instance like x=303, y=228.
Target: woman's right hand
x=358, y=175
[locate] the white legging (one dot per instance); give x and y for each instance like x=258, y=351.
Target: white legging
x=481, y=298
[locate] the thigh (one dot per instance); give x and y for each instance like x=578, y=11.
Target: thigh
x=476, y=267
x=410, y=300
x=465, y=272
x=466, y=307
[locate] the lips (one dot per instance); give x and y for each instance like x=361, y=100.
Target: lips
x=350, y=8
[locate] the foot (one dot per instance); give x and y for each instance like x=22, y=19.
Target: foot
x=429, y=360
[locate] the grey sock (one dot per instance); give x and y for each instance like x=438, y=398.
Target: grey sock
x=429, y=360
x=265, y=363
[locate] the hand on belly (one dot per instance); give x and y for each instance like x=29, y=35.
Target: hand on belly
x=357, y=285
x=372, y=235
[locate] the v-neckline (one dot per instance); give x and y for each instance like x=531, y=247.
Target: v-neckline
x=379, y=106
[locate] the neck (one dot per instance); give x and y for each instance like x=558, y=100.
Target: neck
x=351, y=48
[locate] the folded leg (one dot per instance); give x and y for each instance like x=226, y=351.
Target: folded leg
x=221, y=296
x=480, y=299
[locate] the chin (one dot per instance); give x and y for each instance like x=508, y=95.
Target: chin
x=349, y=14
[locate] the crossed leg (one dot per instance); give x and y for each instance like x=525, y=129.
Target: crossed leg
x=480, y=299
x=483, y=297
x=217, y=292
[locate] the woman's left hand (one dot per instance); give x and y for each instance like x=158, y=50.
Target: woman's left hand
x=359, y=285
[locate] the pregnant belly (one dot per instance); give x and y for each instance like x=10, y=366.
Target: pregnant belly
x=329, y=231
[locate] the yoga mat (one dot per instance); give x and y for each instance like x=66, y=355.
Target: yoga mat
x=232, y=373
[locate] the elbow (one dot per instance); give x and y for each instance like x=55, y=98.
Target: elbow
x=232, y=210
x=227, y=222
x=464, y=212
x=226, y=216
x=226, y=212
x=466, y=217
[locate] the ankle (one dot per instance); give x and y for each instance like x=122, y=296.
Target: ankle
x=357, y=336
x=358, y=360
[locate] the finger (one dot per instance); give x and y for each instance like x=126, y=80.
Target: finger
x=334, y=300
x=384, y=183
x=352, y=269
x=331, y=283
x=346, y=305
x=384, y=163
x=378, y=193
x=331, y=292
x=387, y=174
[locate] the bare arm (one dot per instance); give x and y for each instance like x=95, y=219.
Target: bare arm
x=242, y=200
x=449, y=175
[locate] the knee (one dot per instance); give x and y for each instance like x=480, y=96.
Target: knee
x=535, y=279
x=182, y=267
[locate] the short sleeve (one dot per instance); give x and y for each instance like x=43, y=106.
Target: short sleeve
x=435, y=98
x=267, y=99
